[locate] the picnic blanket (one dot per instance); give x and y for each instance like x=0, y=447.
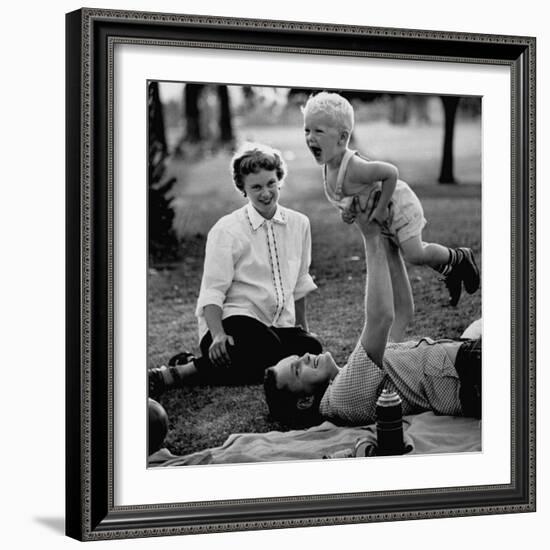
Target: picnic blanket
x=424, y=433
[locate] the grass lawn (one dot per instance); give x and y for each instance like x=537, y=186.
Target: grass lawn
x=205, y=416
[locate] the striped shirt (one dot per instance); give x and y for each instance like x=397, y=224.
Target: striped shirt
x=257, y=267
x=421, y=372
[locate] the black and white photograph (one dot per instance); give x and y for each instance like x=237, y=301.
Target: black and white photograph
x=314, y=274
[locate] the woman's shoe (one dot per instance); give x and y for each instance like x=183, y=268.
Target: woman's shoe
x=181, y=359
x=162, y=379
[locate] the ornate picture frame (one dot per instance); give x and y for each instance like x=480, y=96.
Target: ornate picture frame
x=91, y=509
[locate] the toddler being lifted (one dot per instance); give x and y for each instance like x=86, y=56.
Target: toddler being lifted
x=349, y=179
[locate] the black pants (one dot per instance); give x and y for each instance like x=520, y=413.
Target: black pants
x=256, y=348
x=468, y=367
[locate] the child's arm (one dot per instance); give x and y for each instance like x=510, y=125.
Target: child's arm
x=388, y=178
x=373, y=171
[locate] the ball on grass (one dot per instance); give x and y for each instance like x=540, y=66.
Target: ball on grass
x=158, y=425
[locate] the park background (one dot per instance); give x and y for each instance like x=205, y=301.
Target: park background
x=435, y=141
x=32, y=293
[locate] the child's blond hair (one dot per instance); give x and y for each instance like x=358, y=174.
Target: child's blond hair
x=338, y=108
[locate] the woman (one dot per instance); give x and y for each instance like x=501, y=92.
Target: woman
x=251, y=308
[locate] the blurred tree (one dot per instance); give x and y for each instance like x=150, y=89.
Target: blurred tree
x=161, y=234
x=450, y=105
x=191, y=110
x=226, y=125
x=197, y=113
x=470, y=106
x=400, y=110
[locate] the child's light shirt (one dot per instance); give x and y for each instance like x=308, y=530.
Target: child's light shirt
x=407, y=218
x=257, y=267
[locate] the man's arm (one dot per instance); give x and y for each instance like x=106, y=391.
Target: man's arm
x=403, y=302
x=379, y=311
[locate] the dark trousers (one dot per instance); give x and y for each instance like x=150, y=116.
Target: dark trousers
x=256, y=348
x=468, y=367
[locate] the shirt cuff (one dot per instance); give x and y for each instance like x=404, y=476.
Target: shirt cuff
x=209, y=297
x=304, y=286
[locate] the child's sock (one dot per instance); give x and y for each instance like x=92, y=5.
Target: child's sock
x=455, y=257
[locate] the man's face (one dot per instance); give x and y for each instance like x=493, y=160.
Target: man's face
x=303, y=375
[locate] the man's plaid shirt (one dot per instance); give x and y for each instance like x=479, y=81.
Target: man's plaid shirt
x=421, y=372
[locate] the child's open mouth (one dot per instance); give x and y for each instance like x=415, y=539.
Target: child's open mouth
x=315, y=151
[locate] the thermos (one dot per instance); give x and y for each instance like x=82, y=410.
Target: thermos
x=389, y=424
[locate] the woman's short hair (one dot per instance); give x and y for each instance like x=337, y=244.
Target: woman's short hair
x=284, y=405
x=333, y=105
x=250, y=158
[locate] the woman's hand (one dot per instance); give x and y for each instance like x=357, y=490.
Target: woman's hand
x=218, y=352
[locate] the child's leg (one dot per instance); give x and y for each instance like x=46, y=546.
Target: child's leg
x=457, y=265
x=417, y=252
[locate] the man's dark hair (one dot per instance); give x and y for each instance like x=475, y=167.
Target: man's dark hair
x=283, y=404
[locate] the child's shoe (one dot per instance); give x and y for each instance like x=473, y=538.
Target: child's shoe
x=465, y=270
x=470, y=271
x=453, y=282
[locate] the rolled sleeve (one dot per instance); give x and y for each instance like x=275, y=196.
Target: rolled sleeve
x=219, y=268
x=209, y=297
x=304, y=283
x=304, y=286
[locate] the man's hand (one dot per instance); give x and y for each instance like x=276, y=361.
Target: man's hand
x=379, y=215
x=366, y=225
x=218, y=352
x=371, y=204
x=348, y=216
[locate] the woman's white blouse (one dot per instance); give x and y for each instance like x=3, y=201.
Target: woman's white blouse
x=257, y=267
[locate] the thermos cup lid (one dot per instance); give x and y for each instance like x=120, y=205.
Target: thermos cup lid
x=388, y=399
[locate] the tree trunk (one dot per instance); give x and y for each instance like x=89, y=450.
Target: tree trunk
x=193, y=132
x=226, y=127
x=450, y=105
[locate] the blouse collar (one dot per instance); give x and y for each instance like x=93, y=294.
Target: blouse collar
x=257, y=220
